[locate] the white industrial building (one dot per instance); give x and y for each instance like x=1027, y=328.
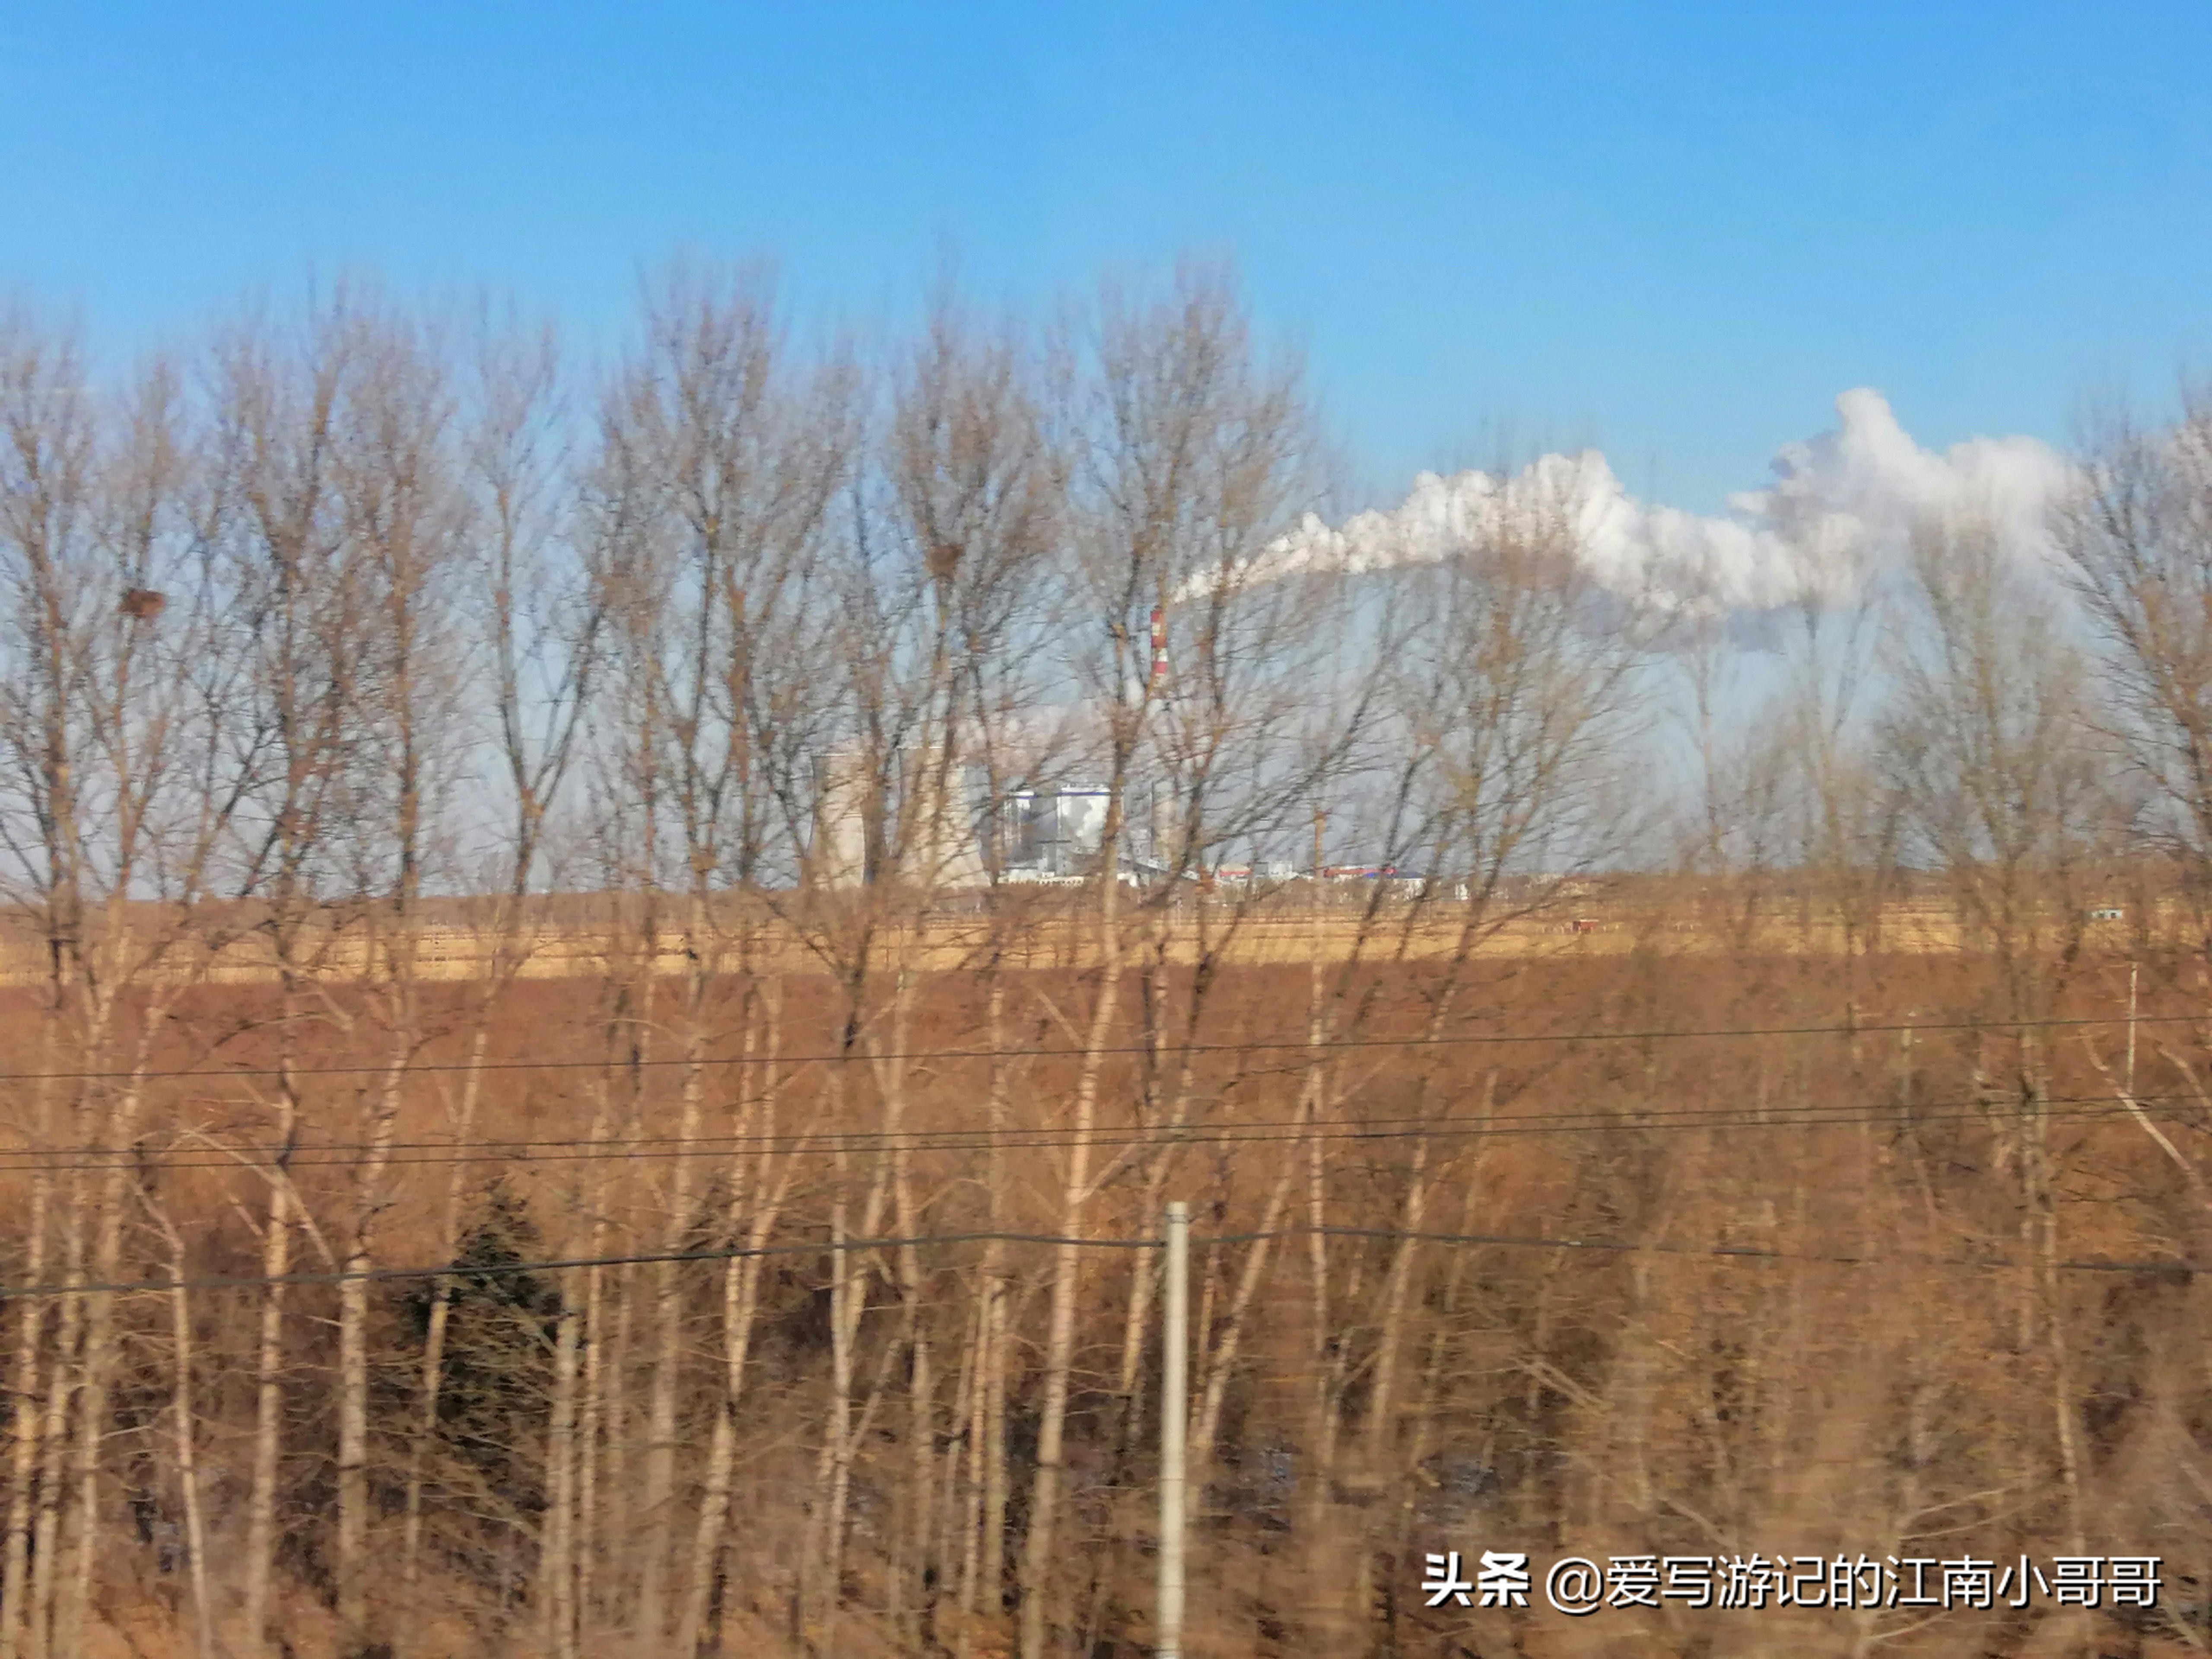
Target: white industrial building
x=864, y=832
x=1051, y=834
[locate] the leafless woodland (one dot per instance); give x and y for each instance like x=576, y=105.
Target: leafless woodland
x=776, y=1282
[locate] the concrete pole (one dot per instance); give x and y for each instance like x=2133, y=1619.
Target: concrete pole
x=2133, y=967
x=1175, y=1413
x=1321, y=822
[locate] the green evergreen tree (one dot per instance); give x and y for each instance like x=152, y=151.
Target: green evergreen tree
x=494, y=1391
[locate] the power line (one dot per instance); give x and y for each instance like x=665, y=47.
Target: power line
x=1734, y=1252
x=1654, y=1034
x=827, y=1247
x=1255, y=1132
x=495, y=1269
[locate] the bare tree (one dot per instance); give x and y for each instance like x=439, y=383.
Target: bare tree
x=117, y=769
x=2136, y=534
x=721, y=451
x=526, y=597
x=403, y=516
x=1194, y=454
x=297, y=743
x=1989, y=742
x=43, y=496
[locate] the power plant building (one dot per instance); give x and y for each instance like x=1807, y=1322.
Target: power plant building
x=1052, y=834
x=864, y=832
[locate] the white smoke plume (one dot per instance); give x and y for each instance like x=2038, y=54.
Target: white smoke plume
x=1841, y=507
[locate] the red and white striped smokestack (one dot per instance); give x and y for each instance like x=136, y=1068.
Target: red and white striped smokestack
x=1159, y=644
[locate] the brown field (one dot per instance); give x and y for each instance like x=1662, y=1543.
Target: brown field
x=1285, y=934
x=1895, y=1352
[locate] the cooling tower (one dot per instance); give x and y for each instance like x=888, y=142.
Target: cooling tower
x=936, y=842
x=921, y=836
x=843, y=786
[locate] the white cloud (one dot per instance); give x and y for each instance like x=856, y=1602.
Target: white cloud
x=1841, y=507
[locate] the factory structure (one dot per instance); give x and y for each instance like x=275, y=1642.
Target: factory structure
x=958, y=838
x=1051, y=835
x=953, y=835
x=947, y=828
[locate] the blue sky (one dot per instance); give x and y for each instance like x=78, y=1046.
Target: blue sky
x=1675, y=231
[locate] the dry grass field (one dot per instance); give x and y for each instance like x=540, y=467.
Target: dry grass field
x=1887, y=1356
x=1284, y=932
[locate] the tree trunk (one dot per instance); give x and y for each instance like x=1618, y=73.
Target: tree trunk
x=1037, y=1560
x=61, y=1395
x=268, y=1415
x=28, y=1426
x=556, y=1570
x=993, y=1567
x=741, y=1280
x=1221, y=1361
x=95, y=1393
x=740, y=1305
x=1382, y=1398
x=353, y=1632
x=668, y=1300
x=188, y=1479
x=434, y=1339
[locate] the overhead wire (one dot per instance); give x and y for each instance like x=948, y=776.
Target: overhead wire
x=1255, y=1132
x=1248, y=1045
x=454, y=1270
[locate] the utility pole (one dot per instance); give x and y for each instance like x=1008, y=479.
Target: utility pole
x=1175, y=1410
x=2133, y=967
x=1320, y=823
